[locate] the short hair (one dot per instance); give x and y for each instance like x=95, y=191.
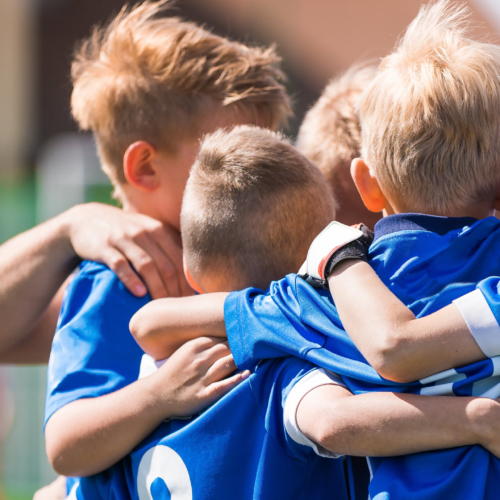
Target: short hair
x=154, y=78
x=252, y=206
x=330, y=134
x=431, y=117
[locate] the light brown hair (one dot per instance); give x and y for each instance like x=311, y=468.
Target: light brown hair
x=431, y=117
x=330, y=134
x=252, y=206
x=153, y=78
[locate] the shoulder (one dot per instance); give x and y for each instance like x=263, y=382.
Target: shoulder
x=94, y=272
x=96, y=287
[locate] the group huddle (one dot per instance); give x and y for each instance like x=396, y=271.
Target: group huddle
x=384, y=345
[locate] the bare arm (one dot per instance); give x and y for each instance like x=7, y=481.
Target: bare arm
x=89, y=435
x=34, y=265
x=387, y=424
x=162, y=326
x=34, y=347
x=398, y=345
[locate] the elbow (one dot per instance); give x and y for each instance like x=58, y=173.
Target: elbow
x=64, y=457
x=138, y=325
x=337, y=434
x=388, y=358
x=65, y=463
x=61, y=460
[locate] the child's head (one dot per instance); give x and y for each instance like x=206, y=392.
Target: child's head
x=149, y=87
x=252, y=206
x=431, y=121
x=330, y=136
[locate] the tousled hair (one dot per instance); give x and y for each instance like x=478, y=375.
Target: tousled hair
x=252, y=206
x=154, y=78
x=330, y=134
x=431, y=117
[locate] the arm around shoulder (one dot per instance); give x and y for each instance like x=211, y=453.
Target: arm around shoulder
x=163, y=325
x=398, y=345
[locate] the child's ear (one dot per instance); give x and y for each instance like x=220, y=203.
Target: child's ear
x=138, y=166
x=368, y=186
x=189, y=278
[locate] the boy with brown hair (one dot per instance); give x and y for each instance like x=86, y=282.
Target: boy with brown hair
x=431, y=134
x=244, y=223
x=148, y=87
x=330, y=136
x=248, y=216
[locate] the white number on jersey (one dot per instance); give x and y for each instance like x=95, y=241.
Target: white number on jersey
x=164, y=463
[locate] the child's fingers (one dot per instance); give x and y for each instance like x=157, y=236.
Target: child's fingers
x=119, y=264
x=222, y=368
x=170, y=244
x=168, y=271
x=145, y=266
x=218, y=389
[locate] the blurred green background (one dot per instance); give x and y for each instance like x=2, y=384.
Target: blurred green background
x=46, y=166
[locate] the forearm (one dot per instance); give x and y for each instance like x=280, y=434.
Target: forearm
x=388, y=424
x=399, y=346
x=163, y=325
x=33, y=266
x=89, y=435
x=34, y=347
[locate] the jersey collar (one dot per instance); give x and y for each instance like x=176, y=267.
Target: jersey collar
x=420, y=222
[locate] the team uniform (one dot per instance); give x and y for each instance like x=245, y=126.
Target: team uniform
x=428, y=262
x=93, y=353
x=241, y=447
x=245, y=446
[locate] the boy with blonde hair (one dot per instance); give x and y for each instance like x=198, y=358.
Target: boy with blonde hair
x=149, y=87
x=330, y=136
x=430, y=135
x=245, y=223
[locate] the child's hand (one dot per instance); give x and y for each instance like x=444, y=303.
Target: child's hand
x=54, y=491
x=120, y=240
x=194, y=377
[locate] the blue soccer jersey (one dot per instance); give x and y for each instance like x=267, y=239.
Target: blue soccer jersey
x=243, y=447
x=93, y=352
x=428, y=262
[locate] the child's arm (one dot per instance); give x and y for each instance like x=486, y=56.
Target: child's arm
x=388, y=424
x=399, y=346
x=89, y=435
x=163, y=325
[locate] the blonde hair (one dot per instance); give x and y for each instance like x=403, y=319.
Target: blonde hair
x=146, y=77
x=252, y=206
x=330, y=134
x=431, y=118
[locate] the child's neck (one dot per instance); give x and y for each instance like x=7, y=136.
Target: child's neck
x=478, y=211
x=132, y=207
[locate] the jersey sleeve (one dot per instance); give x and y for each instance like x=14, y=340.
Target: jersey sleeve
x=265, y=325
x=93, y=352
x=480, y=310
x=273, y=388
x=299, y=388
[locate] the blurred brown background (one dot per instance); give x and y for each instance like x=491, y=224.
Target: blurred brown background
x=45, y=167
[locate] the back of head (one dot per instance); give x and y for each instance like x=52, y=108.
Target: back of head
x=330, y=134
x=153, y=78
x=252, y=206
x=431, y=117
